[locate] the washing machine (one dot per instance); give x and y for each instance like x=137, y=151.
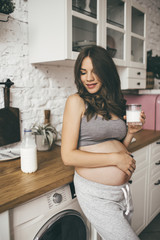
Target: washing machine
x=55, y=215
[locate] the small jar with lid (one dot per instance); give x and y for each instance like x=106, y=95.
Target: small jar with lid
x=28, y=152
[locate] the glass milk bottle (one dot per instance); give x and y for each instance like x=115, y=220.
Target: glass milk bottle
x=28, y=153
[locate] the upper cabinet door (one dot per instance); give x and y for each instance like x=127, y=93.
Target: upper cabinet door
x=116, y=30
x=138, y=36
x=126, y=33
x=50, y=30
x=58, y=30
x=85, y=24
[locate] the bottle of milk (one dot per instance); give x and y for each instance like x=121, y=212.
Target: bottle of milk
x=28, y=152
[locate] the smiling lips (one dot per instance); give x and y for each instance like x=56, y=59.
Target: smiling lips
x=92, y=85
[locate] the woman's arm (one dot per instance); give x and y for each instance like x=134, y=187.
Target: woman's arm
x=133, y=129
x=70, y=133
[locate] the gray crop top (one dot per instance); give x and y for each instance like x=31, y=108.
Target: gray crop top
x=99, y=130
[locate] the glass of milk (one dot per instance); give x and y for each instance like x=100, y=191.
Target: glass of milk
x=133, y=112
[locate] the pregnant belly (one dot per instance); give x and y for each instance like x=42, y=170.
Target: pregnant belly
x=110, y=175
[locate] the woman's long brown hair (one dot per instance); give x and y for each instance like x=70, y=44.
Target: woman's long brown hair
x=109, y=99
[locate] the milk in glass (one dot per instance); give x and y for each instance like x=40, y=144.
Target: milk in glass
x=133, y=112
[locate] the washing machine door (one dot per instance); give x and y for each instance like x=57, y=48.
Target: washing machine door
x=66, y=225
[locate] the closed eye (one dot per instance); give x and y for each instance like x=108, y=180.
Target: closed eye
x=83, y=72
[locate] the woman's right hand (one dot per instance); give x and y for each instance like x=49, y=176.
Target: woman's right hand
x=126, y=162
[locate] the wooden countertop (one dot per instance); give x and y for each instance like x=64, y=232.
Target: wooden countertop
x=17, y=187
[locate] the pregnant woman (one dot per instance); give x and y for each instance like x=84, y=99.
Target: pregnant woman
x=95, y=141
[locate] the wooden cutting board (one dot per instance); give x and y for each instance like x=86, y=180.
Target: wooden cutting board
x=9, y=121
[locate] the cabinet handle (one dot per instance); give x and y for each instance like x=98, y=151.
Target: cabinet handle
x=138, y=73
x=157, y=142
x=157, y=183
x=157, y=163
x=138, y=83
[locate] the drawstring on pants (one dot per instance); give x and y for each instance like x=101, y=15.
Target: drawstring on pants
x=126, y=192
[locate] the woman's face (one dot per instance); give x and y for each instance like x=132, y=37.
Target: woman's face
x=89, y=79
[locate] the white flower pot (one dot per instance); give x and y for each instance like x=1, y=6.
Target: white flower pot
x=41, y=144
x=4, y=17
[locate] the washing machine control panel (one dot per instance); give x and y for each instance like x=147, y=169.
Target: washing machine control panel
x=57, y=197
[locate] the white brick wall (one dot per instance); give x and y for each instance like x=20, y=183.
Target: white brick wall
x=46, y=87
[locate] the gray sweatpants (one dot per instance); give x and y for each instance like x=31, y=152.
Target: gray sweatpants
x=108, y=208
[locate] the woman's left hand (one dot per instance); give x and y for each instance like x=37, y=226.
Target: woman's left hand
x=132, y=128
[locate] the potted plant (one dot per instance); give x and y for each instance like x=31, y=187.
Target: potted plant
x=45, y=135
x=6, y=7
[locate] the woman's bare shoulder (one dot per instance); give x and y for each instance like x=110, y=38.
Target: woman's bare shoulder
x=74, y=108
x=76, y=98
x=75, y=101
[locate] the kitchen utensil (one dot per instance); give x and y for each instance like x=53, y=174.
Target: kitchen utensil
x=47, y=116
x=9, y=154
x=79, y=45
x=9, y=119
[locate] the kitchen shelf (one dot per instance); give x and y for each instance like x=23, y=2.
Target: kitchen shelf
x=56, y=26
x=84, y=12
x=149, y=91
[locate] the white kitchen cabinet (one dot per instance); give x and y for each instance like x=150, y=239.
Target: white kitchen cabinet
x=139, y=190
x=132, y=78
x=58, y=30
x=128, y=35
x=116, y=30
x=139, y=195
x=154, y=203
x=137, y=36
x=4, y=226
x=145, y=186
x=154, y=180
